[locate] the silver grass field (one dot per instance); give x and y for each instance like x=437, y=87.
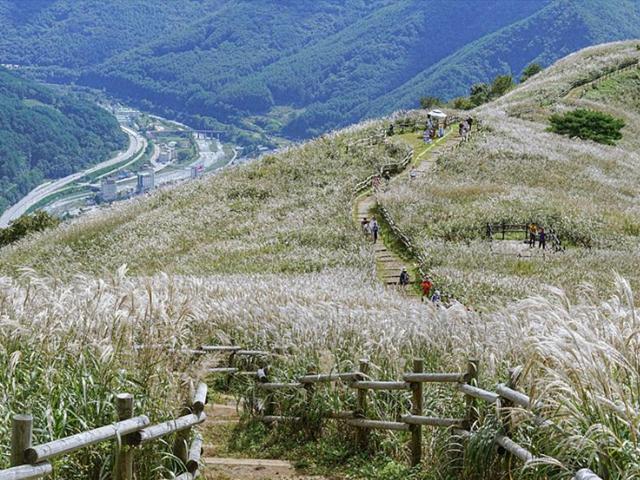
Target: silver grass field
x=268, y=255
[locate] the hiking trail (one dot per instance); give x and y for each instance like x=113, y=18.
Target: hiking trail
x=222, y=418
x=388, y=262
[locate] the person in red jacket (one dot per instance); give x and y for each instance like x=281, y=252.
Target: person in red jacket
x=426, y=286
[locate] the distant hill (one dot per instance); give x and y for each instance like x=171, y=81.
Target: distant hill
x=296, y=69
x=47, y=135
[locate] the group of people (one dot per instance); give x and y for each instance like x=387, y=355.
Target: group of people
x=426, y=286
x=370, y=228
x=433, y=129
x=537, y=233
x=464, y=128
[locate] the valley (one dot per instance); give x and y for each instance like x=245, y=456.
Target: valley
x=346, y=240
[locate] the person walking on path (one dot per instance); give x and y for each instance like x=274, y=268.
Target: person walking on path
x=533, y=230
x=436, y=299
x=404, y=278
x=365, y=225
x=374, y=228
x=426, y=287
x=542, y=239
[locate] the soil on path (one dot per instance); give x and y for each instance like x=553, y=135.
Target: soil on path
x=222, y=418
x=389, y=264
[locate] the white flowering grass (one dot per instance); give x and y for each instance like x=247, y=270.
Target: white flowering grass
x=284, y=213
x=267, y=255
x=515, y=171
x=69, y=347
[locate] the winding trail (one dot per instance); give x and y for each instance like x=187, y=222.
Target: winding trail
x=388, y=262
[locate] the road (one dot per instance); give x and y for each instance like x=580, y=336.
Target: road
x=136, y=142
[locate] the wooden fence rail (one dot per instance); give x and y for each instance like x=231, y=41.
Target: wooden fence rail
x=31, y=462
x=136, y=430
x=505, y=398
x=494, y=229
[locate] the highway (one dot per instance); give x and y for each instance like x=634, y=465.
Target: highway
x=136, y=143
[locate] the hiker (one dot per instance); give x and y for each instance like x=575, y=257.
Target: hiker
x=426, y=287
x=365, y=225
x=387, y=178
x=533, y=230
x=542, y=239
x=470, y=122
x=373, y=227
x=404, y=278
x=461, y=129
x=390, y=130
x=436, y=297
x=440, y=131
x=427, y=136
x=413, y=174
x=429, y=123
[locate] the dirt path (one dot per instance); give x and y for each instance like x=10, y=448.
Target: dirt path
x=388, y=263
x=222, y=418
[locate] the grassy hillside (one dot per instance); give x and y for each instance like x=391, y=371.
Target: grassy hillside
x=515, y=171
x=46, y=135
x=267, y=254
x=288, y=214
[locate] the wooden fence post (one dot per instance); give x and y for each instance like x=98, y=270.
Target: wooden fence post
x=471, y=378
x=181, y=440
x=232, y=364
x=416, y=409
x=21, y=434
x=124, y=460
x=362, y=437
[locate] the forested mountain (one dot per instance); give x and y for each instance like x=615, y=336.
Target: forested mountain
x=296, y=68
x=47, y=135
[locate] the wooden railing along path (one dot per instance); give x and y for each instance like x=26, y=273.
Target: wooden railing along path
x=506, y=398
x=31, y=462
x=494, y=229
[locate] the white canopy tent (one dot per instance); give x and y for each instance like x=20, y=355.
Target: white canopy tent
x=439, y=114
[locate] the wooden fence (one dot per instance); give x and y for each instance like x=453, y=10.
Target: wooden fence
x=505, y=397
x=502, y=229
x=30, y=462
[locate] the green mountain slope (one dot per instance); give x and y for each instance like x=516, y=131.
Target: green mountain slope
x=46, y=135
x=270, y=68
x=560, y=28
x=322, y=60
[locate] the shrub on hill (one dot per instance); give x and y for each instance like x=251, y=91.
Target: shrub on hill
x=588, y=125
x=25, y=225
x=429, y=102
x=530, y=71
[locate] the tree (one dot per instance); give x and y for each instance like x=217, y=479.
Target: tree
x=462, y=103
x=479, y=93
x=588, y=125
x=501, y=85
x=429, y=102
x=529, y=71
